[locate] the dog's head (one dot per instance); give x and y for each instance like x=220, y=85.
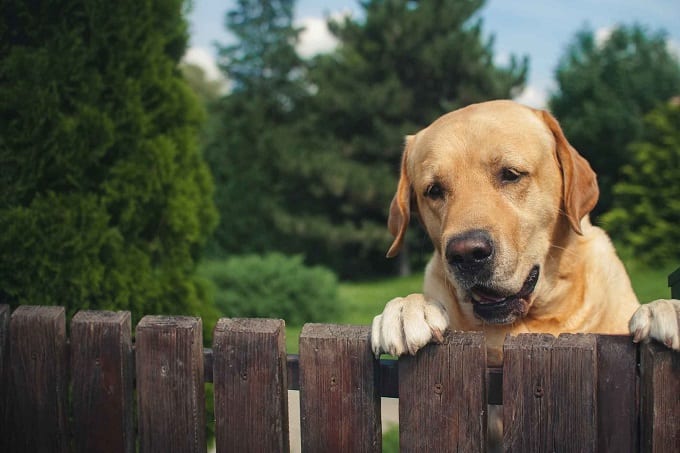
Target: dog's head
x=493, y=184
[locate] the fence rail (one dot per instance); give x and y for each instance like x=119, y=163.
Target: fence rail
x=100, y=391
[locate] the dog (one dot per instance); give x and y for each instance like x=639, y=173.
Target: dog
x=505, y=200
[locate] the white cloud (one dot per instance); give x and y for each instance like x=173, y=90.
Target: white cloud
x=205, y=60
x=533, y=97
x=315, y=38
x=602, y=35
x=673, y=47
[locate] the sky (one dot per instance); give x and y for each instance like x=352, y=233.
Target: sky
x=542, y=30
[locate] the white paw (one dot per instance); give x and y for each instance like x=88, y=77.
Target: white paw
x=657, y=320
x=407, y=324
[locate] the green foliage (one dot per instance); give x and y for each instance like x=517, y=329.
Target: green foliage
x=604, y=91
x=307, y=154
x=393, y=72
x=646, y=210
x=105, y=201
x=390, y=440
x=273, y=286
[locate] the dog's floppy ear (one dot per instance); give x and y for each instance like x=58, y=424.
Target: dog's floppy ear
x=580, y=190
x=400, y=208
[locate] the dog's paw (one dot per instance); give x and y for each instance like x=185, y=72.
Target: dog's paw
x=657, y=320
x=407, y=324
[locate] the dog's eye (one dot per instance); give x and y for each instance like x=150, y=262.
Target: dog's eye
x=434, y=191
x=510, y=175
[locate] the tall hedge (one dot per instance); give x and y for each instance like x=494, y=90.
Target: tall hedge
x=105, y=201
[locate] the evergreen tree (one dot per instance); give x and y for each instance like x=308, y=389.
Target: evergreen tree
x=393, y=73
x=646, y=210
x=256, y=126
x=604, y=91
x=105, y=201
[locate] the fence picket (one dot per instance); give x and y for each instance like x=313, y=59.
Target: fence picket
x=527, y=389
x=39, y=380
x=660, y=398
x=251, y=393
x=170, y=384
x=4, y=378
x=573, y=415
x=617, y=394
x=339, y=403
x=442, y=396
x=101, y=359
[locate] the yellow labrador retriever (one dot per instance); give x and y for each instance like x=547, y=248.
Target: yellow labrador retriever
x=505, y=200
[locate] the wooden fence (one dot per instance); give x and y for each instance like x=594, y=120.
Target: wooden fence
x=97, y=391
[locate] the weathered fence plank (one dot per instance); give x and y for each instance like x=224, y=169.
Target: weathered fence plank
x=617, y=394
x=339, y=402
x=442, y=393
x=101, y=370
x=251, y=393
x=527, y=388
x=4, y=377
x=660, y=398
x=170, y=384
x=39, y=380
x=574, y=373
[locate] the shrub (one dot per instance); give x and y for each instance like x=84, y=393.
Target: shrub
x=273, y=286
x=105, y=200
x=646, y=212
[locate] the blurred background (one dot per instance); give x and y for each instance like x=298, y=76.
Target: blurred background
x=237, y=158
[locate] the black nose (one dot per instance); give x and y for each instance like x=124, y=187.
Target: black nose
x=470, y=252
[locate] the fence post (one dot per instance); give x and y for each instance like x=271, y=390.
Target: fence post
x=617, y=394
x=251, y=392
x=39, y=379
x=574, y=378
x=442, y=396
x=339, y=401
x=660, y=395
x=170, y=384
x=101, y=359
x=4, y=378
x=527, y=389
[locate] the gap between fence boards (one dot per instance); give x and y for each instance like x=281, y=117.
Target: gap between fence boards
x=387, y=380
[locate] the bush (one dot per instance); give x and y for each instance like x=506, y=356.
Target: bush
x=273, y=286
x=646, y=211
x=105, y=200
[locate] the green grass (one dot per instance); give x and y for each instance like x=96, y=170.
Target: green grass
x=362, y=301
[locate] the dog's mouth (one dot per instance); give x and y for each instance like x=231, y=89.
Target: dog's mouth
x=497, y=308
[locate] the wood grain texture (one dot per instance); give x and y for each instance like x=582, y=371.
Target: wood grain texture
x=442, y=392
x=573, y=415
x=4, y=377
x=251, y=397
x=339, y=401
x=39, y=388
x=102, y=393
x=527, y=391
x=617, y=394
x=660, y=398
x=170, y=384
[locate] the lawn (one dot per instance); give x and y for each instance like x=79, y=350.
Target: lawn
x=362, y=301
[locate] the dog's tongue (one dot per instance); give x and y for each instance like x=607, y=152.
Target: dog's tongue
x=486, y=297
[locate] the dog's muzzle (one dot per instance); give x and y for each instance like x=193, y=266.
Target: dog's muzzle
x=497, y=308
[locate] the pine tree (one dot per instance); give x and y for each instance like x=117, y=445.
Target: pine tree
x=256, y=126
x=604, y=91
x=394, y=72
x=646, y=211
x=105, y=201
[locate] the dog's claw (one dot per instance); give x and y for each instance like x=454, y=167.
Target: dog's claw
x=638, y=336
x=438, y=336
